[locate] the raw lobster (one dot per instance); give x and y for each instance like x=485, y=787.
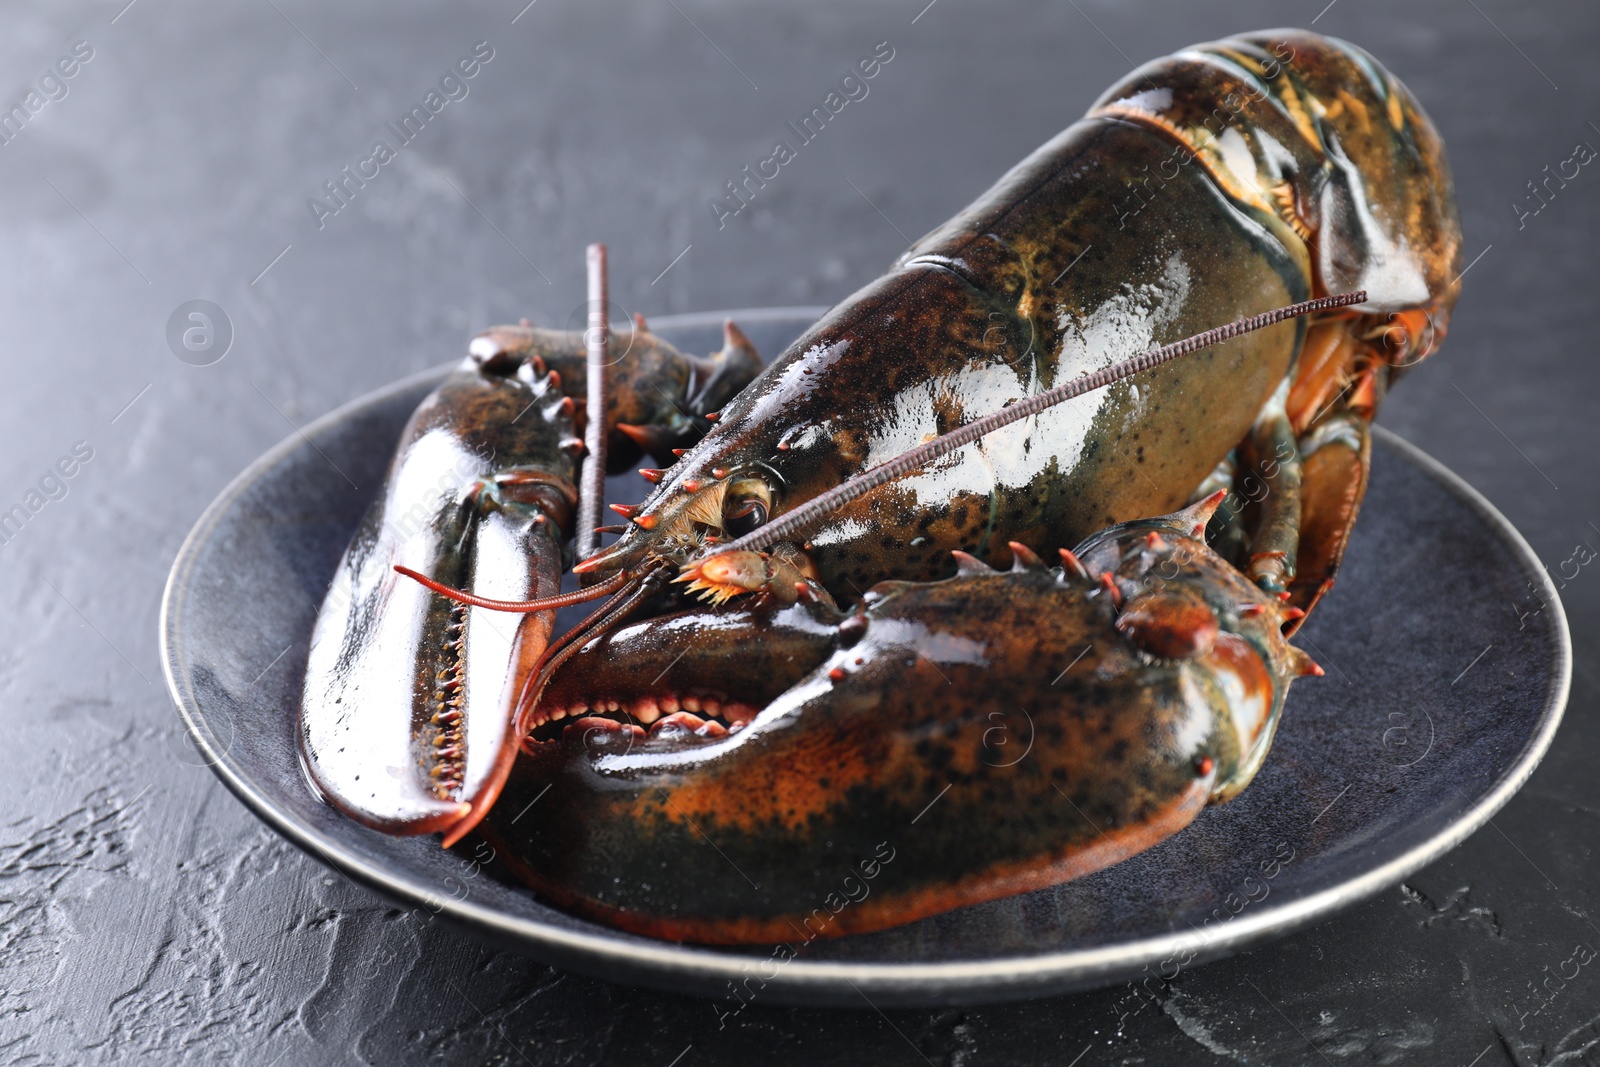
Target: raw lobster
x=799, y=736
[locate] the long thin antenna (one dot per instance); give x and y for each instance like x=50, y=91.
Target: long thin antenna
x=549, y=603
x=597, y=343
x=786, y=526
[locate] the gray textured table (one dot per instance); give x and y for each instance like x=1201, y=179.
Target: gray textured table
x=145, y=914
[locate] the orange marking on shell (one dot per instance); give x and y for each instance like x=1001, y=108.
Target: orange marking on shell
x=1256, y=677
x=1170, y=625
x=968, y=565
x=1208, y=507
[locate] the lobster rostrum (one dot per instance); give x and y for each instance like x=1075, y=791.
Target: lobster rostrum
x=1252, y=173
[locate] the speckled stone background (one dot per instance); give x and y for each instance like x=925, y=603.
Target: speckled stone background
x=146, y=916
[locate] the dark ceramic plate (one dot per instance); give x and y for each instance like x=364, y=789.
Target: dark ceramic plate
x=1416, y=736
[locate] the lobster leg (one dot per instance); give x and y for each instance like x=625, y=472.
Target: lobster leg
x=1336, y=456
x=1275, y=547
x=1311, y=452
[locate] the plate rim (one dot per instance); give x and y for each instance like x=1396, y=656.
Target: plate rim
x=998, y=977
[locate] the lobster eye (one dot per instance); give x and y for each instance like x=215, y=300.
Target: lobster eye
x=747, y=517
x=749, y=502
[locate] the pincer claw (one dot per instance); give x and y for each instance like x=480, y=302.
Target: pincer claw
x=407, y=718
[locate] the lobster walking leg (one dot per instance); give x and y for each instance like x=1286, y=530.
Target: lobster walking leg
x=1330, y=408
x=1336, y=456
x=1275, y=547
x=1312, y=451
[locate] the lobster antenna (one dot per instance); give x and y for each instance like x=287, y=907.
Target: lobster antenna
x=461, y=596
x=599, y=622
x=786, y=526
x=597, y=341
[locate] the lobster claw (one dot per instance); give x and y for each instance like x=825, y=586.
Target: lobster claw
x=795, y=736
x=407, y=721
x=660, y=399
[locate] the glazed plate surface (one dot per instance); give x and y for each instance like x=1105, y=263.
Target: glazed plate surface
x=1418, y=733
